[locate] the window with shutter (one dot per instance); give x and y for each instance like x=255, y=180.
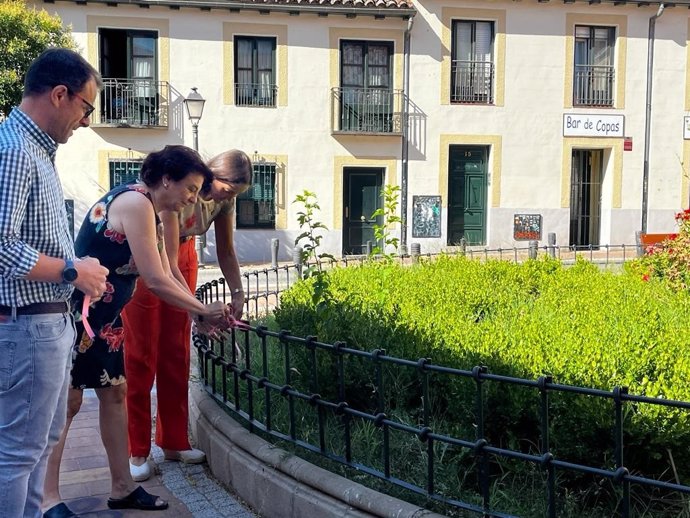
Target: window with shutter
x=594, y=74
x=472, y=62
x=255, y=83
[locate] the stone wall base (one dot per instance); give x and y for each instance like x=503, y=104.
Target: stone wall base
x=278, y=484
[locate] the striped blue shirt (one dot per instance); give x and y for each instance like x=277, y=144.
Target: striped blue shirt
x=32, y=212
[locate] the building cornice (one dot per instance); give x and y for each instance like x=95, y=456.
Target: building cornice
x=349, y=8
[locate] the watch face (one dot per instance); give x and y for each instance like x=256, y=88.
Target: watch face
x=69, y=274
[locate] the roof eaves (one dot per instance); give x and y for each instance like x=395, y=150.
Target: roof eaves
x=294, y=8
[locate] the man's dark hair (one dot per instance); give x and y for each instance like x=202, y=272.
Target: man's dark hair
x=58, y=66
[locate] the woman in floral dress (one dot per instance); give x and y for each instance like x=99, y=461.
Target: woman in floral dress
x=123, y=231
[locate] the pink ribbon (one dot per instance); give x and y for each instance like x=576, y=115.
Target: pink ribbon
x=85, y=316
x=231, y=322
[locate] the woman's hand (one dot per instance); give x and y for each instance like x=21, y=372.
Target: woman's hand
x=237, y=304
x=207, y=329
x=216, y=314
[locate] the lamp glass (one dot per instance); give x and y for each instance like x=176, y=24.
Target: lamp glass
x=195, y=105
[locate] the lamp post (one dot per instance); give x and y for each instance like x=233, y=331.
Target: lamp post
x=195, y=108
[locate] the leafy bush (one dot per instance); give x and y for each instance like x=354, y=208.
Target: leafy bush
x=581, y=325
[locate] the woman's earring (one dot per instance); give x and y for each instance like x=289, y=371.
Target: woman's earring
x=165, y=185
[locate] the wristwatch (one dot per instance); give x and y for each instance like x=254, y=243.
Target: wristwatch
x=69, y=273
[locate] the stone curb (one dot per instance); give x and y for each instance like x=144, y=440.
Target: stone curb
x=278, y=484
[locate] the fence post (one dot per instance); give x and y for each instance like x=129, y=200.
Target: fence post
x=275, y=243
x=369, y=247
x=533, y=249
x=415, y=251
x=297, y=259
x=638, y=242
x=463, y=246
x=552, y=244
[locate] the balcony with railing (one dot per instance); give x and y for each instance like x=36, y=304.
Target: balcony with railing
x=367, y=111
x=472, y=82
x=128, y=103
x=256, y=94
x=593, y=85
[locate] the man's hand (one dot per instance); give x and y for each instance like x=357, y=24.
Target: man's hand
x=91, y=276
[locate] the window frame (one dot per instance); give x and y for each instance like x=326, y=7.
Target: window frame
x=608, y=75
x=477, y=69
x=257, y=97
x=257, y=200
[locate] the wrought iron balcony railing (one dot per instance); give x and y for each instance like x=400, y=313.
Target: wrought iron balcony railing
x=472, y=82
x=367, y=110
x=255, y=94
x=593, y=85
x=133, y=103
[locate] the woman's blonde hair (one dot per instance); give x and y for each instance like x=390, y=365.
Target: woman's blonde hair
x=233, y=166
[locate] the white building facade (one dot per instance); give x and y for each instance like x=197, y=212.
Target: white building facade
x=501, y=121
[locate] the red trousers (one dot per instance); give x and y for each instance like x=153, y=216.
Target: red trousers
x=157, y=341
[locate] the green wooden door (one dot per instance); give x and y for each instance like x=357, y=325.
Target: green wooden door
x=362, y=189
x=467, y=186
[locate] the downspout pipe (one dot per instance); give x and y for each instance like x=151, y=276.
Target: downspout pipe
x=405, y=151
x=648, y=116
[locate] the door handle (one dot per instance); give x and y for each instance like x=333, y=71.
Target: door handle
x=347, y=211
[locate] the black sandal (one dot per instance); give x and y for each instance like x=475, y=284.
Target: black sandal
x=60, y=511
x=137, y=499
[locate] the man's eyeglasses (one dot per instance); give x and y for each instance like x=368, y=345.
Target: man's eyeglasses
x=88, y=111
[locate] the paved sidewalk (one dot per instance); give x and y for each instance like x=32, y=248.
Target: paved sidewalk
x=190, y=490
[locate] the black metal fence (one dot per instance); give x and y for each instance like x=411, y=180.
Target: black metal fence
x=249, y=371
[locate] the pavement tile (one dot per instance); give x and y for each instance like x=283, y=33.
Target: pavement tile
x=92, y=462
x=189, y=489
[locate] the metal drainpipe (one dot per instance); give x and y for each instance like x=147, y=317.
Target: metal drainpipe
x=405, y=140
x=648, y=115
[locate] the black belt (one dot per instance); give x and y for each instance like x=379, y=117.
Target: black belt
x=40, y=308
x=185, y=239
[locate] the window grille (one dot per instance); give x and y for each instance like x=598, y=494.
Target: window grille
x=256, y=207
x=123, y=171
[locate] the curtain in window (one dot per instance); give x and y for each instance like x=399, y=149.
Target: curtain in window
x=353, y=64
x=143, y=66
x=244, y=53
x=264, y=49
x=378, y=65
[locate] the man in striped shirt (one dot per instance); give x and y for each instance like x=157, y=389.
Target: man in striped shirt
x=38, y=272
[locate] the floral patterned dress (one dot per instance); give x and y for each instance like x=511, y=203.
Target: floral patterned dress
x=99, y=362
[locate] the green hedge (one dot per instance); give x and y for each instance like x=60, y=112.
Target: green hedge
x=582, y=325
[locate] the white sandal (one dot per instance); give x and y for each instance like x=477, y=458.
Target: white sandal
x=140, y=473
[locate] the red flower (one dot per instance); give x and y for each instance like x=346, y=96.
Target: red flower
x=108, y=294
x=189, y=222
x=115, y=236
x=645, y=277
x=683, y=215
x=115, y=337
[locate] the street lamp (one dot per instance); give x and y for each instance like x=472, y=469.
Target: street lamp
x=195, y=108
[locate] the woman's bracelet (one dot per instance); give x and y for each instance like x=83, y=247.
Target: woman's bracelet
x=236, y=291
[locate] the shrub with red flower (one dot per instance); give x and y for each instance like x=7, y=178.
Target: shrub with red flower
x=668, y=261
